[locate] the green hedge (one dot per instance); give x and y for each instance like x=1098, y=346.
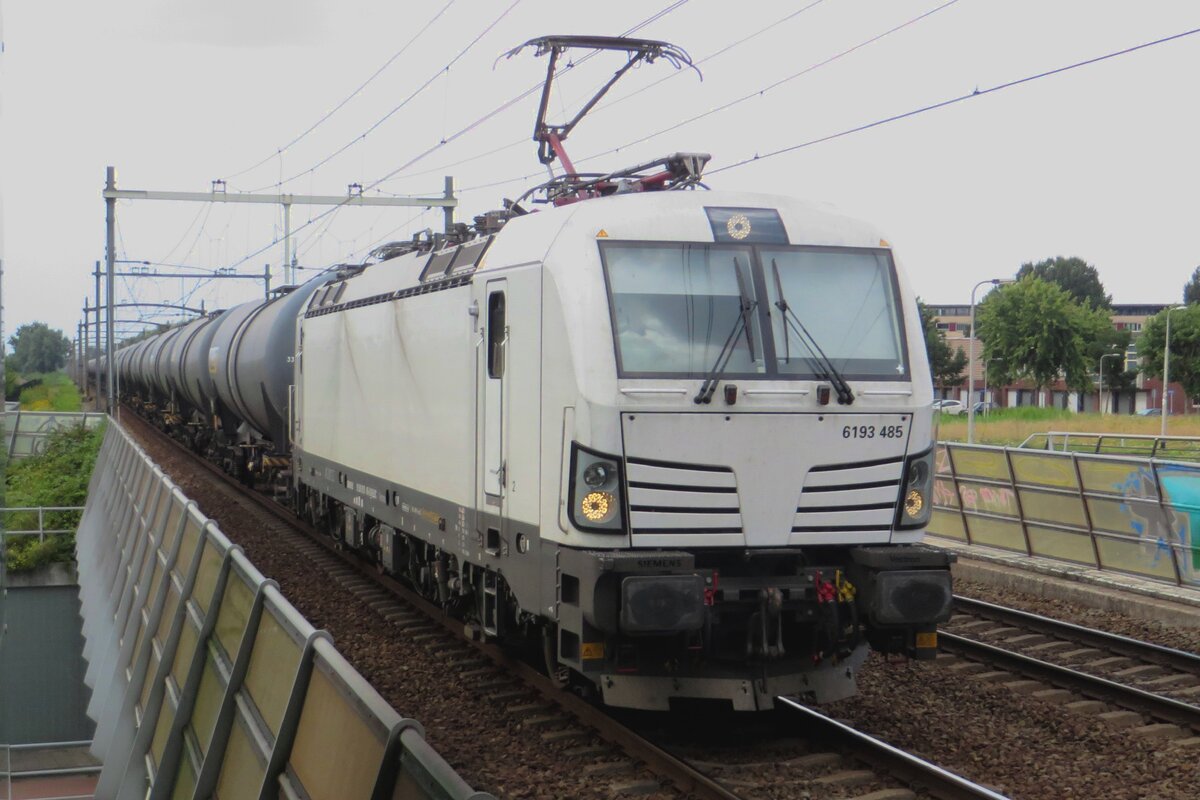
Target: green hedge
x=57, y=477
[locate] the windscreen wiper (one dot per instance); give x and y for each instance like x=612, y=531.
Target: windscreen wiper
x=820, y=362
x=741, y=325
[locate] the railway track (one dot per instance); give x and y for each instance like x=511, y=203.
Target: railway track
x=815, y=755
x=626, y=762
x=1153, y=690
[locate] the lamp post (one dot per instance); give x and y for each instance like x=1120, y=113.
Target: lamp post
x=1166, y=369
x=971, y=359
x=1114, y=354
x=986, y=368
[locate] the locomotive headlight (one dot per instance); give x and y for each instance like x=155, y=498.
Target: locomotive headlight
x=914, y=503
x=917, y=488
x=599, y=473
x=594, y=490
x=598, y=506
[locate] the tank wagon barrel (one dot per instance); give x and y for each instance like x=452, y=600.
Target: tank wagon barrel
x=251, y=360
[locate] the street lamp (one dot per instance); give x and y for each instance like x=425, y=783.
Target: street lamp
x=971, y=359
x=987, y=368
x=1166, y=369
x=1113, y=354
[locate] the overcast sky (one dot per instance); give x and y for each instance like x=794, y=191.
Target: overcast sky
x=1100, y=162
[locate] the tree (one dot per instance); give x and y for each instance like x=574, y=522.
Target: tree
x=1040, y=332
x=38, y=348
x=1191, y=289
x=1079, y=278
x=946, y=364
x=1185, y=347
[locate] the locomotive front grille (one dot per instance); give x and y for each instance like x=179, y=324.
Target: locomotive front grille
x=670, y=497
x=761, y=480
x=850, y=497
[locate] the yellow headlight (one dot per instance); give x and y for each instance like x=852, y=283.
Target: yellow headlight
x=597, y=506
x=913, y=503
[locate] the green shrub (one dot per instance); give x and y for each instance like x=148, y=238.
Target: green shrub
x=57, y=477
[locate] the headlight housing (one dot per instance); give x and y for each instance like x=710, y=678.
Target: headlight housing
x=596, y=502
x=916, y=492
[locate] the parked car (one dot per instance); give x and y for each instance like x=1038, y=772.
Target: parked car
x=949, y=406
x=1150, y=412
x=985, y=408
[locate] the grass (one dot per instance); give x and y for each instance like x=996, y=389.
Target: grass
x=1011, y=426
x=56, y=392
x=57, y=477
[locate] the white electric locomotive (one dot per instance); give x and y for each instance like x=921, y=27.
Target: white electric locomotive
x=682, y=439
x=685, y=434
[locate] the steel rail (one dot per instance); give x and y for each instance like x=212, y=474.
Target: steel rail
x=1180, y=660
x=1119, y=694
x=682, y=775
x=918, y=773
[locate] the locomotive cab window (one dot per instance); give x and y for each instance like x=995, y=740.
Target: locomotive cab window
x=846, y=302
x=496, y=335
x=683, y=310
x=677, y=307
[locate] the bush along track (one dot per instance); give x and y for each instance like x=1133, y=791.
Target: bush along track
x=57, y=477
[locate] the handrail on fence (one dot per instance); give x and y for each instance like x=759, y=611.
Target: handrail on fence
x=1186, y=448
x=41, y=531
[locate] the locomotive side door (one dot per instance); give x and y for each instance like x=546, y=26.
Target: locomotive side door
x=495, y=344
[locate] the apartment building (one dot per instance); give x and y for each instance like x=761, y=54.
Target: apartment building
x=954, y=321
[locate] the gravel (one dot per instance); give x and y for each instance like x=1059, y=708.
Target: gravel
x=1023, y=746
x=1113, y=622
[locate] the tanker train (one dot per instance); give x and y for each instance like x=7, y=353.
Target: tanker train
x=681, y=440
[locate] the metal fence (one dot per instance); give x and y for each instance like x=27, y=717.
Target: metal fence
x=26, y=431
x=1132, y=515
x=206, y=681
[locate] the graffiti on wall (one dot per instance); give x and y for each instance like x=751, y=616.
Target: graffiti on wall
x=1181, y=491
x=999, y=500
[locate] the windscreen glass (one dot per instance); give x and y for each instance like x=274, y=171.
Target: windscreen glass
x=843, y=301
x=677, y=306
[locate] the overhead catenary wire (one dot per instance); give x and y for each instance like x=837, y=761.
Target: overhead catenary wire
x=171, y=253
x=716, y=54
x=775, y=84
x=537, y=87
x=395, y=109
x=953, y=100
x=481, y=120
x=357, y=91
x=735, y=102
